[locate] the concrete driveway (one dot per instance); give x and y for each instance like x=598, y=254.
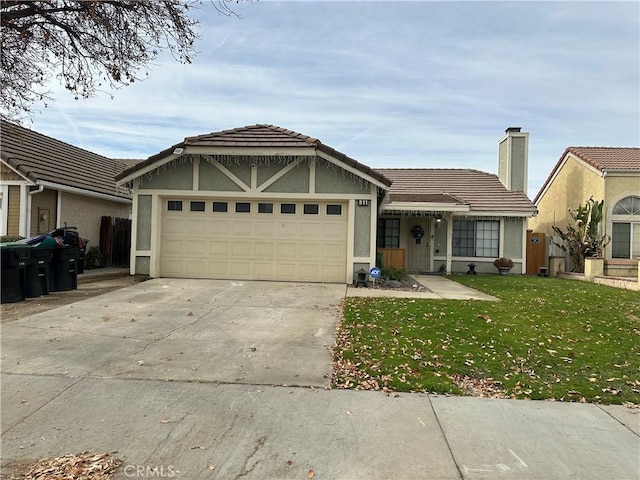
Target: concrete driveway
x=195, y=330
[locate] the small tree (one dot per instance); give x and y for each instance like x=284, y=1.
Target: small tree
x=584, y=239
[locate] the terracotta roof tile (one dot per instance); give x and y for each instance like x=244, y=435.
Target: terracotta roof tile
x=257, y=136
x=600, y=158
x=42, y=158
x=481, y=191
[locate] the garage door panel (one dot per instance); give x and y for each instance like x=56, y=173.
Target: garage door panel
x=310, y=272
x=197, y=227
x=174, y=247
x=219, y=248
x=218, y=226
x=265, y=250
x=195, y=268
x=334, y=231
x=263, y=269
x=195, y=247
x=240, y=269
x=263, y=229
x=289, y=229
x=254, y=246
x=287, y=250
x=241, y=249
x=332, y=251
x=310, y=251
x=286, y=271
x=310, y=230
x=173, y=225
x=218, y=268
x=242, y=228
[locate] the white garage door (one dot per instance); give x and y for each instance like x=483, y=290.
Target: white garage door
x=254, y=240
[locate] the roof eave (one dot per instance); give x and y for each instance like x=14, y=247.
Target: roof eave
x=424, y=207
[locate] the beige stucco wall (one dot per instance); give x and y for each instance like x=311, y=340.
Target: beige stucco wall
x=43, y=212
x=574, y=184
x=618, y=187
x=86, y=213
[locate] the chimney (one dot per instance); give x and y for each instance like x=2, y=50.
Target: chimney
x=513, y=159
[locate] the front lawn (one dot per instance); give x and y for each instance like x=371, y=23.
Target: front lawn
x=546, y=338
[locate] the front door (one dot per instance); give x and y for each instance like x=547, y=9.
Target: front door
x=418, y=258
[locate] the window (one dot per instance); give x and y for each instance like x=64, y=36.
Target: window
x=479, y=238
x=221, y=207
x=243, y=207
x=625, y=240
x=196, y=206
x=174, y=205
x=310, y=208
x=625, y=231
x=334, y=209
x=389, y=233
x=288, y=208
x=627, y=206
x=265, y=208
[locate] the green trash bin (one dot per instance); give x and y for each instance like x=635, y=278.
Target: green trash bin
x=14, y=264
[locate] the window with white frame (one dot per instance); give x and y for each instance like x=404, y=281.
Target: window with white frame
x=388, y=233
x=625, y=231
x=476, y=238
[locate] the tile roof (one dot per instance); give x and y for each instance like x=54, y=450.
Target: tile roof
x=608, y=158
x=600, y=158
x=481, y=191
x=256, y=136
x=41, y=158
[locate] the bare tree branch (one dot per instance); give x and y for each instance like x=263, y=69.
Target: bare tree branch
x=86, y=43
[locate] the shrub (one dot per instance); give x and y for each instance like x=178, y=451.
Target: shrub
x=394, y=273
x=93, y=258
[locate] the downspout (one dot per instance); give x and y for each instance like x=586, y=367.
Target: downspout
x=31, y=193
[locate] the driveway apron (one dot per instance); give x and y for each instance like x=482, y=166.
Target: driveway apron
x=193, y=330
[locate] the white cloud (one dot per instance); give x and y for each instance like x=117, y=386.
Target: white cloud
x=431, y=84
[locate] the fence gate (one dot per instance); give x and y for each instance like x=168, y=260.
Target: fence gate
x=536, y=252
x=115, y=241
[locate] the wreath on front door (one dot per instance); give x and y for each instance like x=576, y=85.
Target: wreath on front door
x=417, y=232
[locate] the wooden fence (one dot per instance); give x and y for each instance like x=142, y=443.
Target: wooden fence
x=115, y=241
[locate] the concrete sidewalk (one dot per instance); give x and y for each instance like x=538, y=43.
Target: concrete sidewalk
x=203, y=431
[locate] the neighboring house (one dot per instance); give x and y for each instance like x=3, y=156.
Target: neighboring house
x=604, y=173
x=47, y=183
x=265, y=203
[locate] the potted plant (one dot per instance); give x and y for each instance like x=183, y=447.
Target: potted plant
x=503, y=265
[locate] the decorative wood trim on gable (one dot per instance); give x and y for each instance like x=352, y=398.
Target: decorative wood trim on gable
x=278, y=176
x=231, y=176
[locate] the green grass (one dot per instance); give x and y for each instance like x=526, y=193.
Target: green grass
x=546, y=338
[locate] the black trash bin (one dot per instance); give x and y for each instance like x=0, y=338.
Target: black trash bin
x=63, y=274
x=38, y=272
x=70, y=236
x=14, y=264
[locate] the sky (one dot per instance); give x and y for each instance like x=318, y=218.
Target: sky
x=418, y=84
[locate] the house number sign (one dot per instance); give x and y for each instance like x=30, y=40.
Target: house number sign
x=363, y=203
